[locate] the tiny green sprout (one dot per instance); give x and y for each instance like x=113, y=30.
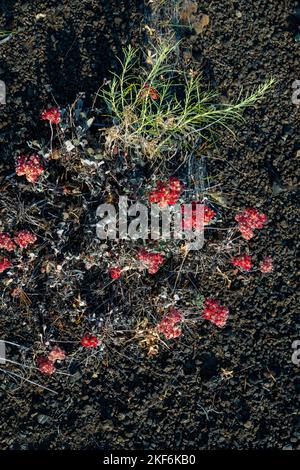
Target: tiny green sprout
x=199, y=301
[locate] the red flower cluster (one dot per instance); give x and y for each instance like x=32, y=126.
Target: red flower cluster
x=115, y=273
x=52, y=115
x=190, y=222
x=6, y=242
x=4, y=264
x=168, y=326
x=90, y=341
x=166, y=193
x=152, y=261
x=209, y=214
x=56, y=354
x=149, y=91
x=24, y=238
x=30, y=166
x=243, y=261
x=266, y=266
x=46, y=364
x=215, y=313
x=249, y=220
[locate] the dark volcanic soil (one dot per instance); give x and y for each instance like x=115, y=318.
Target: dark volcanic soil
x=180, y=399
x=65, y=52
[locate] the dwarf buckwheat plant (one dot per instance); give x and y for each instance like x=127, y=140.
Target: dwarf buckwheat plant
x=56, y=354
x=166, y=193
x=24, y=238
x=168, y=325
x=249, y=220
x=4, y=264
x=29, y=166
x=90, y=341
x=266, y=266
x=6, y=242
x=152, y=261
x=45, y=365
x=243, y=261
x=215, y=313
x=52, y=115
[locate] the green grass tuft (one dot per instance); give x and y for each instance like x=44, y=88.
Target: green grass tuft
x=183, y=112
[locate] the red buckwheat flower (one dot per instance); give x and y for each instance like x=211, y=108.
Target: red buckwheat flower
x=6, y=242
x=24, y=238
x=190, y=222
x=215, y=313
x=149, y=91
x=174, y=315
x=45, y=365
x=168, y=325
x=90, y=341
x=243, y=261
x=209, y=214
x=115, y=273
x=52, y=115
x=4, y=264
x=151, y=261
x=170, y=331
x=166, y=193
x=249, y=220
x=56, y=354
x=266, y=266
x=29, y=166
